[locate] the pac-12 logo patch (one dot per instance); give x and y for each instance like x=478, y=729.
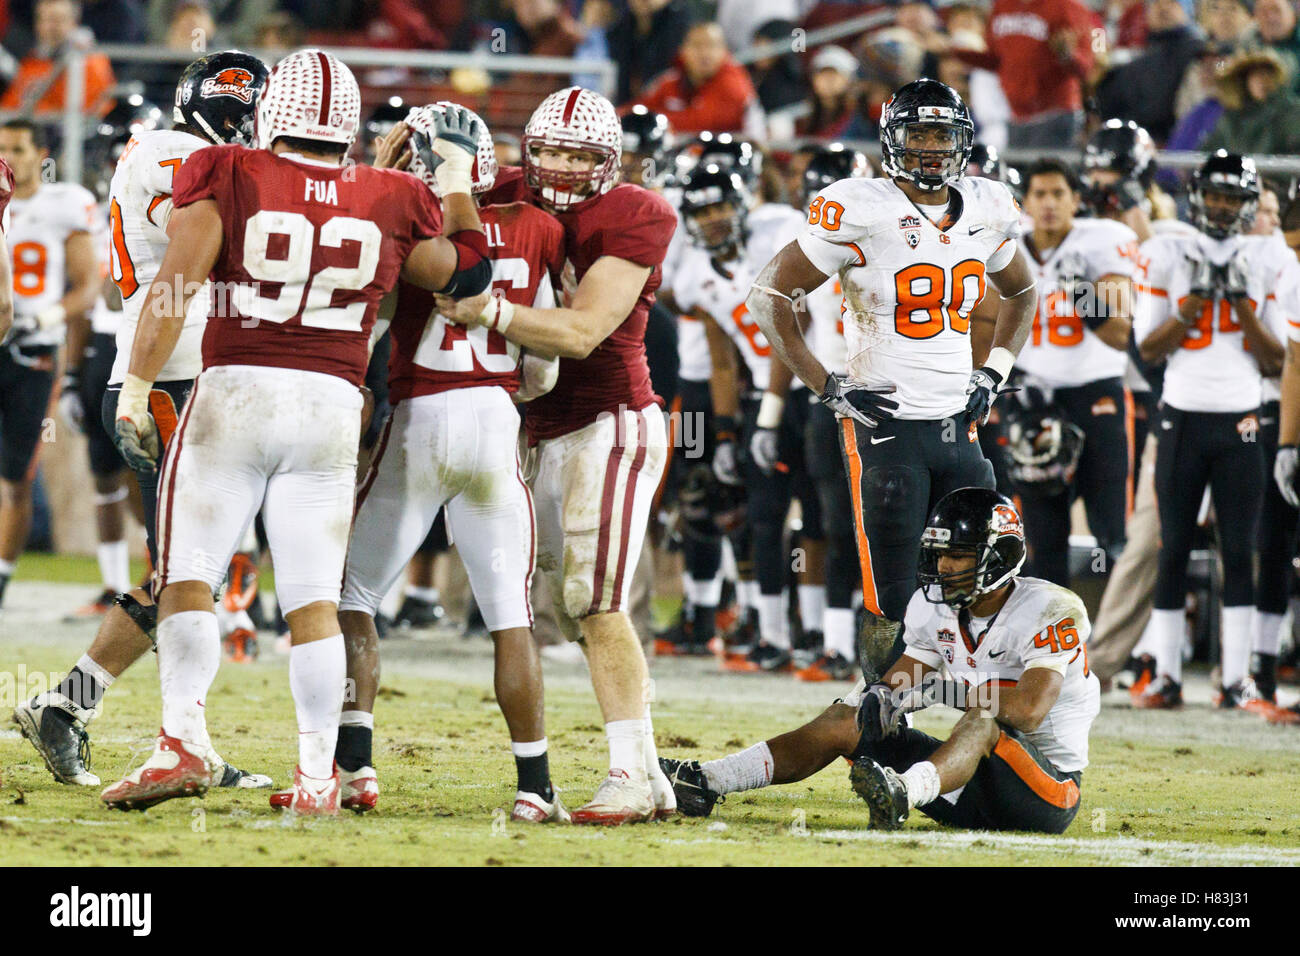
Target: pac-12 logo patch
x=233, y=81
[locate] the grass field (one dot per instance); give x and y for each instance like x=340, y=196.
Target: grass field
x=1199, y=787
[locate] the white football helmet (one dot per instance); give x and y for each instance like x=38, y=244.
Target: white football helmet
x=484, y=174
x=573, y=119
x=311, y=94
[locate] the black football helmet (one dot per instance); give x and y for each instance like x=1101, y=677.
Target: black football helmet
x=1123, y=147
x=829, y=164
x=1230, y=175
x=217, y=96
x=132, y=114
x=723, y=149
x=1044, y=447
x=384, y=117
x=645, y=139
x=976, y=521
x=709, y=185
x=933, y=112
x=985, y=163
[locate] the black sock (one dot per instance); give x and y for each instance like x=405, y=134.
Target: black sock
x=1264, y=671
x=353, y=748
x=82, y=689
x=4, y=583
x=535, y=776
x=705, y=624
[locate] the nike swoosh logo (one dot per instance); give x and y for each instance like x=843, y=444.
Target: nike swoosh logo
x=877, y=441
x=975, y=229
x=995, y=654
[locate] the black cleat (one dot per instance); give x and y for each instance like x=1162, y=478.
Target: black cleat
x=416, y=612
x=58, y=732
x=883, y=790
x=694, y=798
x=238, y=779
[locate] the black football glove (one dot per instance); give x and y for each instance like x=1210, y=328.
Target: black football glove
x=981, y=390
x=879, y=715
x=864, y=403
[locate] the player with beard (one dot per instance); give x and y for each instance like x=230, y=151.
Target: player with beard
x=597, y=439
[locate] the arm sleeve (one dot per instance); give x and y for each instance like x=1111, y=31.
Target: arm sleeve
x=836, y=239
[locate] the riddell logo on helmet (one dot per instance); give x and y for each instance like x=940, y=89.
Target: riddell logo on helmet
x=233, y=81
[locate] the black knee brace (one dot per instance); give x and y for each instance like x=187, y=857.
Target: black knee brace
x=145, y=616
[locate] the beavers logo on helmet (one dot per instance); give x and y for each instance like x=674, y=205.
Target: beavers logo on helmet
x=232, y=81
x=1007, y=521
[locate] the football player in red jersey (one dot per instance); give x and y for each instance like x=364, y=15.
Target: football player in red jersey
x=598, y=437
x=300, y=250
x=452, y=440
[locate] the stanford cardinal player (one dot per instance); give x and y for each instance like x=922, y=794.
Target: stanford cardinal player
x=452, y=440
x=598, y=436
x=300, y=250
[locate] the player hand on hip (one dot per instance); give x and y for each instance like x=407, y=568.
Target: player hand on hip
x=864, y=403
x=71, y=406
x=981, y=391
x=764, y=450
x=1285, y=466
x=134, y=431
x=879, y=715
x=450, y=151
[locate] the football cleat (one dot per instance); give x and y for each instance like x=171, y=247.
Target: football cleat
x=1244, y=695
x=827, y=667
x=310, y=796
x=95, y=608
x=174, y=769
x=884, y=792
x=1285, y=715
x=763, y=658
x=690, y=787
x=236, y=779
x=530, y=808
x=622, y=797
x=416, y=612
x=56, y=727
x=240, y=645
x=359, y=789
x=1143, y=671
x=1161, y=694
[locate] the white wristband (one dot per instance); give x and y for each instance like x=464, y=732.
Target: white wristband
x=1000, y=360
x=497, y=314
x=769, y=410
x=133, y=399
x=54, y=315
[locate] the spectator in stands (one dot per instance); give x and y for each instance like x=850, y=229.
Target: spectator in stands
x=1145, y=88
x=114, y=21
x=890, y=58
x=707, y=90
x=192, y=27
x=237, y=20
x=541, y=28
x=39, y=87
x=1126, y=28
x=1197, y=104
x=741, y=19
x=644, y=43
x=1276, y=22
x=1229, y=23
x=1042, y=51
x=833, y=103
x=777, y=75
x=1261, y=112
x=280, y=32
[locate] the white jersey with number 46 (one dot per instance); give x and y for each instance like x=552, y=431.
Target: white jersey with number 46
x=139, y=205
x=911, y=282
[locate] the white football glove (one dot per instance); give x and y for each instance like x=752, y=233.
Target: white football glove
x=1285, y=466
x=764, y=449
x=71, y=406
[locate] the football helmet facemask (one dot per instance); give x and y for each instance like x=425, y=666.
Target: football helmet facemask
x=1234, y=183
x=926, y=135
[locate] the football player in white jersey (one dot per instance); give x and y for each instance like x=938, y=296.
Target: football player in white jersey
x=55, y=276
x=1198, y=309
x=1073, y=367
x=912, y=253
x=216, y=99
x=711, y=283
x=1010, y=651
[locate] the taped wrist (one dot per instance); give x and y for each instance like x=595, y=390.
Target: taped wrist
x=473, y=267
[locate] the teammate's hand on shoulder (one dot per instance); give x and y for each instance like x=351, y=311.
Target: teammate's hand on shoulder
x=463, y=311
x=868, y=404
x=391, y=152
x=71, y=406
x=879, y=715
x=1285, y=466
x=764, y=449
x=981, y=391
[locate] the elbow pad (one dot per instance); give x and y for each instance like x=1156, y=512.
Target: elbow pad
x=473, y=267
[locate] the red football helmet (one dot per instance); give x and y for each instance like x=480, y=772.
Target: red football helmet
x=573, y=119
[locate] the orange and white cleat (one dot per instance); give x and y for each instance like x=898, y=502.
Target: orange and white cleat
x=1161, y=694
x=826, y=668
x=176, y=768
x=1285, y=715
x=359, y=789
x=531, y=808
x=1244, y=695
x=240, y=645
x=1143, y=669
x=95, y=608
x=310, y=796
x=622, y=797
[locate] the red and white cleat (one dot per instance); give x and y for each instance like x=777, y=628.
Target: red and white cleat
x=622, y=797
x=310, y=796
x=531, y=808
x=359, y=789
x=176, y=768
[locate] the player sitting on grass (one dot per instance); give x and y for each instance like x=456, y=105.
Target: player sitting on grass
x=1007, y=650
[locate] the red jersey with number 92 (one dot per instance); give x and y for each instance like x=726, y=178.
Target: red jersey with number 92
x=308, y=251
x=431, y=354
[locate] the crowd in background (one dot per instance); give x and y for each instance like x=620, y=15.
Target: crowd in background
x=1196, y=74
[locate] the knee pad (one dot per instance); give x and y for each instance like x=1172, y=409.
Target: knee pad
x=144, y=616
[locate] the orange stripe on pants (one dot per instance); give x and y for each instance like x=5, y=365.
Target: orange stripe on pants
x=1059, y=793
x=869, y=598
x=1130, y=431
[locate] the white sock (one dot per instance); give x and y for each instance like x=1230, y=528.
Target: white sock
x=812, y=605
x=92, y=668
x=189, y=653
x=1266, y=632
x=1146, y=643
x=316, y=675
x=773, y=627
x=1167, y=640
x=746, y=594
x=747, y=770
x=357, y=718
x=922, y=782
x=626, y=745
x=1234, y=644
x=837, y=631
x=650, y=750
x=528, y=748
x=706, y=593
x=7, y=568
x=428, y=595
x=114, y=565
